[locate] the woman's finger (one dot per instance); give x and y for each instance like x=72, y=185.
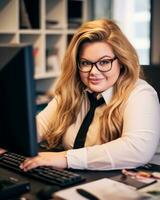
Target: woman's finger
x=2, y=151
x=30, y=163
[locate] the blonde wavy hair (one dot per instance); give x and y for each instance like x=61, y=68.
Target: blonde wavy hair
x=69, y=88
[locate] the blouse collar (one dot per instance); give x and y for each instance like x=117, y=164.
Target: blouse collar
x=107, y=94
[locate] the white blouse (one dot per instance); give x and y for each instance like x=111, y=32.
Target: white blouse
x=136, y=146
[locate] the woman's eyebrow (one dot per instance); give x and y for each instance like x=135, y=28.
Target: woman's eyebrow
x=109, y=57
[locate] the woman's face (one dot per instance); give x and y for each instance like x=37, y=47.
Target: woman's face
x=96, y=80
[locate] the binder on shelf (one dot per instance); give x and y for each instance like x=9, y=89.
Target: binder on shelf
x=24, y=18
x=74, y=15
x=29, y=14
x=51, y=24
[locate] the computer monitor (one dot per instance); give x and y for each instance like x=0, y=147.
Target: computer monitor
x=17, y=97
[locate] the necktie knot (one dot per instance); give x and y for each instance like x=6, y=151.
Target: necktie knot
x=94, y=102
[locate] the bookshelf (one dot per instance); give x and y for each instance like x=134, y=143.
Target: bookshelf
x=48, y=25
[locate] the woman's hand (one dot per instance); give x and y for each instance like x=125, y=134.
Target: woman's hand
x=53, y=159
x=2, y=151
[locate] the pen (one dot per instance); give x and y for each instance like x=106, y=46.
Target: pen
x=87, y=194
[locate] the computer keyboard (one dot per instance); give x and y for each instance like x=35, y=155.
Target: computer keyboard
x=51, y=175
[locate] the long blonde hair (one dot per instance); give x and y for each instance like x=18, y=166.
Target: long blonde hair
x=69, y=88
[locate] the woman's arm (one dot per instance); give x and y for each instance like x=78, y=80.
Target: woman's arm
x=56, y=159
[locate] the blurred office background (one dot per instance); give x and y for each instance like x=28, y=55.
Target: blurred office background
x=139, y=20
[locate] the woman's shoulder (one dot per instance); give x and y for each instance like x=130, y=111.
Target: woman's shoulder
x=142, y=87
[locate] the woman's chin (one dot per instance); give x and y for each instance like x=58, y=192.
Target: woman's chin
x=96, y=89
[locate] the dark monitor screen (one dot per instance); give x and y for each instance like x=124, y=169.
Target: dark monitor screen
x=17, y=97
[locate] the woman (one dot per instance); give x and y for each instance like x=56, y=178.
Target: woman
x=124, y=132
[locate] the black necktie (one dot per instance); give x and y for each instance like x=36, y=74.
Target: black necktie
x=81, y=136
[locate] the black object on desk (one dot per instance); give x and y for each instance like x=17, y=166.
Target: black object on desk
x=10, y=188
x=86, y=194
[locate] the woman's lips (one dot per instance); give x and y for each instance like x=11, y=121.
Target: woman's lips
x=95, y=80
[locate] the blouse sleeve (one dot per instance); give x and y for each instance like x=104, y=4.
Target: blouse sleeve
x=139, y=140
x=44, y=118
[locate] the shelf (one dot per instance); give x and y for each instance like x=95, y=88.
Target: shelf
x=46, y=25
x=11, y=31
x=47, y=75
x=53, y=31
x=29, y=31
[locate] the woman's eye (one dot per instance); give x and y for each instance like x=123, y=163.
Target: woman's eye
x=104, y=62
x=84, y=63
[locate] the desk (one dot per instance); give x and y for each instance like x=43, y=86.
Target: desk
x=36, y=186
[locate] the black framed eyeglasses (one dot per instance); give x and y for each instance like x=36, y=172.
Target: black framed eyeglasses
x=103, y=64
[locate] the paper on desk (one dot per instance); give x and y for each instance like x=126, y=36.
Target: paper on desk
x=103, y=189
x=153, y=189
